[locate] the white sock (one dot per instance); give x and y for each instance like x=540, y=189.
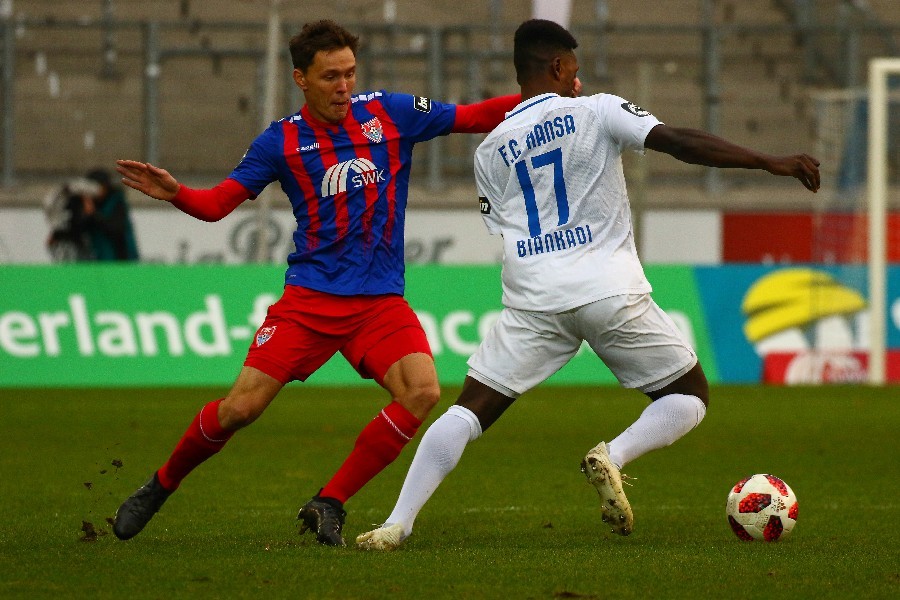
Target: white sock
x=438, y=453
x=664, y=421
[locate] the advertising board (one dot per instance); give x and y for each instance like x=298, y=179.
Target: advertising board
x=160, y=325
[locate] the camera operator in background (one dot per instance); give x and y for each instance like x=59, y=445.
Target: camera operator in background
x=63, y=208
x=89, y=221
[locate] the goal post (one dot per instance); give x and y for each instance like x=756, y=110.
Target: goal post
x=855, y=234
x=880, y=70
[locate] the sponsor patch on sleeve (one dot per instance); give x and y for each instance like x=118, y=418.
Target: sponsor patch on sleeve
x=422, y=104
x=635, y=109
x=485, y=205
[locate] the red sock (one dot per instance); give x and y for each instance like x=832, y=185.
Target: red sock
x=203, y=438
x=379, y=443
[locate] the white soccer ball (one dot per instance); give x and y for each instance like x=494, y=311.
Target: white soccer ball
x=761, y=507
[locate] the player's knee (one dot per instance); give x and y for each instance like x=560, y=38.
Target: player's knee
x=701, y=390
x=429, y=396
x=236, y=412
x=695, y=384
x=692, y=383
x=422, y=398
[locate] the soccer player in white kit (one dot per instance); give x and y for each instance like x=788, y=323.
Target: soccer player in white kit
x=551, y=184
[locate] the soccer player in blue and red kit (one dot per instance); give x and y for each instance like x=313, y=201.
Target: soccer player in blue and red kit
x=344, y=163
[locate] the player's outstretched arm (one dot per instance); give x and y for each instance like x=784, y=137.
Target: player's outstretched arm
x=483, y=116
x=702, y=148
x=147, y=179
x=206, y=205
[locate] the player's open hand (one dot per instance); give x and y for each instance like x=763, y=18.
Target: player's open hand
x=144, y=177
x=801, y=166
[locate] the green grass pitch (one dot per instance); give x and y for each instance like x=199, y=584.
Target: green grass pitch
x=516, y=519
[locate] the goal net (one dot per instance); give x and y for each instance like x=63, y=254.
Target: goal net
x=856, y=234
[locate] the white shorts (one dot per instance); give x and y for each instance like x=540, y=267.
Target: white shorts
x=639, y=343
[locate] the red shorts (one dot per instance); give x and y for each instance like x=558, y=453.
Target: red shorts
x=305, y=328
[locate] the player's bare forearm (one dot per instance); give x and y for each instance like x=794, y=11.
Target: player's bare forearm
x=701, y=148
x=147, y=179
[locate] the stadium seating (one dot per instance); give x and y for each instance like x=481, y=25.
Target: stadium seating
x=73, y=110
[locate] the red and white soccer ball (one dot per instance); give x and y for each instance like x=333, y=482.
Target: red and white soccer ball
x=761, y=507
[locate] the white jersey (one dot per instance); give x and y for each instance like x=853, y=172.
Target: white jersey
x=551, y=181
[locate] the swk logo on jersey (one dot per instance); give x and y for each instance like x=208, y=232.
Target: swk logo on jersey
x=485, y=206
x=373, y=130
x=358, y=172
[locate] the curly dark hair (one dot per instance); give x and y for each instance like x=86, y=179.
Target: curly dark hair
x=318, y=36
x=536, y=43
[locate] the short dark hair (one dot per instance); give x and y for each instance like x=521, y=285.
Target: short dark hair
x=318, y=36
x=536, y=43
x=100, y=176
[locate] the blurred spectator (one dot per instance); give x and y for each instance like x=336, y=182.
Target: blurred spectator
x=89, y=220
x=107, y=221
x=64, y=208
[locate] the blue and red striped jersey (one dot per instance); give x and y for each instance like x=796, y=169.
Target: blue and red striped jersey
x=348, y=187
